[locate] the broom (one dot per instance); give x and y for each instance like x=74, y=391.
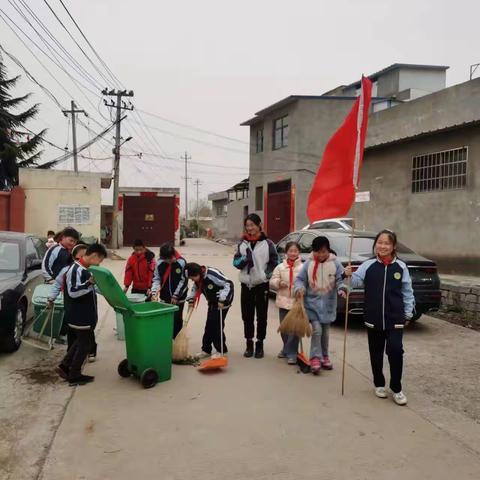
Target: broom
x=296, y=321
x=35, y=341
x=180, y=344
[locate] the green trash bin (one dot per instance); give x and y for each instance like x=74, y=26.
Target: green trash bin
x=39, y=301
x=148, y=332
x=133, y=298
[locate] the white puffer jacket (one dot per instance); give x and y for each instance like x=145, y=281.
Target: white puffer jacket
x=281, y=274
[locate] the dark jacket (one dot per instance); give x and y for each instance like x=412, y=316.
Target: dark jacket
x=215, y=286
x=389, y=298
x=139, y=271
x=80, y=297
x=54, y=261
x=176, y=285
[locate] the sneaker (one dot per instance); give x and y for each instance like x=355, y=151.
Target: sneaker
x=315, y=365
x=62, y=371
x=327, y=364
x=400, y=398
x=249, y=350
x=80, y=380
x=259, y=349
x=201, y=355
x=92, y=357
x=281, y=354
x=292, y=361
x=380, y=392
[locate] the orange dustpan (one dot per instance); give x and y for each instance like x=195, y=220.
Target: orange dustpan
x=216, y=363
x=302, y=361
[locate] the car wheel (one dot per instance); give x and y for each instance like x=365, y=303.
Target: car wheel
x=12, y=342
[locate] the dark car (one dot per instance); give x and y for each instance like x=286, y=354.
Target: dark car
x=424, y=274
x=20, y=272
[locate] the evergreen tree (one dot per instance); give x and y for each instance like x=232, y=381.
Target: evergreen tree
x=17, y=147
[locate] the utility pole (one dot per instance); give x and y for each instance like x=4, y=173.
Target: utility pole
x=119, y=105
x=197, y=184
x=72, y=112
x=187, y=178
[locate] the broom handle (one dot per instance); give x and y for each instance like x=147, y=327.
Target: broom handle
x=48, y=317
x=347, y=303
x=189, y=316
x=221, y=332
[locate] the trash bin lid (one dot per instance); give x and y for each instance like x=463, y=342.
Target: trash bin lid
x=110, y=288
x=41, y=294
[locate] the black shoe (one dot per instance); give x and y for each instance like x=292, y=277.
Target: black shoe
x=80, y=380
x=62, y=371
x=249, y=350
x=259, y=349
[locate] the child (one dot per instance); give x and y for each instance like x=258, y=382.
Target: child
x=170, y=283
x=50, y=239
x=80, y=300
x=282, y=281
x=389, y=305
x=77, y=253
x=256, y=258
x=139, y=269
x=319, y=281
x=59, y=256
x=218, y=291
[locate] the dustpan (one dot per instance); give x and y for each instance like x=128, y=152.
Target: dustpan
x=302, y=361
x=38, y=340
x=216, y=363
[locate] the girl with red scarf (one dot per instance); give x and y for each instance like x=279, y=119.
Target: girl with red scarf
x=282, y=281
x=320, y=281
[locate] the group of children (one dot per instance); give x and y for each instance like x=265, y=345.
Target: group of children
x=389, y=300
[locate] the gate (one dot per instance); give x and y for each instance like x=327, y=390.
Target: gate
x=279, y=209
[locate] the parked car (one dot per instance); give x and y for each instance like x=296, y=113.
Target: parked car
x=424, y=274
x=331, y=224
x=20, y=272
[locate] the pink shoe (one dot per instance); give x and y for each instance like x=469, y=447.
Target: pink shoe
x=315, y=365
x=327, y=364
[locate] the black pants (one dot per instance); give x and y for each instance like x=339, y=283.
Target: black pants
x=178, y=319
x=83, y=341
x=390, y=341
x=71, y=338
x=255, y=299
x=212, y=330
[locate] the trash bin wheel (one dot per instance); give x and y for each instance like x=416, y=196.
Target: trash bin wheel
x=123, y=369
x=149, y=378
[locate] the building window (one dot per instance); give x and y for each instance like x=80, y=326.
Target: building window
x=280, y=132
x=72, y=215
x=259, y=198
x=221, y=210
x=260, y=140
x=445, y=170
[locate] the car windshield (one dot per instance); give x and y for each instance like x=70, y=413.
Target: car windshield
x=361, y=246
x=9, y=256
x=348, y=221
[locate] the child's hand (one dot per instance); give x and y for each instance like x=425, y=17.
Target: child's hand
x=221, y=305
x=342, y=293
x=49, y=304
x=174, y=300
x=299, y=293
x=284, y=284
x=348, y=271
x=91, y=280
x=125, y=289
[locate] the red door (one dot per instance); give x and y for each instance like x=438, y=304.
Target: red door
x=151, y=219
x=279, y=209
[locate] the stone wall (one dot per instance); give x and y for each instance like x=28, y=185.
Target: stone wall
x=461, y=297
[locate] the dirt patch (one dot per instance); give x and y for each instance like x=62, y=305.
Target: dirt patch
x=464, y=319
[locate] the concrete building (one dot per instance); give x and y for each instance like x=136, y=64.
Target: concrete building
x=55, y=199
x=219, y=212
x=420, y=165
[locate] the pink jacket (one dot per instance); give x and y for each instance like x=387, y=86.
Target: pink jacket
x=282, y=274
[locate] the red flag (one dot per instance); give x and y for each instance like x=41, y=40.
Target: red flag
x=333, y=190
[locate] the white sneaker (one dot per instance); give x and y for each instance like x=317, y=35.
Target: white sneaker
x=400, y=398
x=380, y=392
x=92, y=358
x=201, y=355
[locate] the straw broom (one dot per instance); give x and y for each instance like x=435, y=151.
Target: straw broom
x=180, y=344
x=296, y=321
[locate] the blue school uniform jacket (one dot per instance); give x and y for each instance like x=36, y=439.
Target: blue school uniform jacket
x=54, y=261
x=216, y=287
x=389, y=298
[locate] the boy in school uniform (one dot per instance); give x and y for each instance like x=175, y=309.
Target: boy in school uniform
x=80, y=301
x=218, y=291
x=170, y=283
x=59, y=256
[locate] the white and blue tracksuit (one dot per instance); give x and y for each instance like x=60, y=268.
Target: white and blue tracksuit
x=388, y=303
x=54, y=261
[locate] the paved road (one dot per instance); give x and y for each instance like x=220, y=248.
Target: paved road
x=261, y=419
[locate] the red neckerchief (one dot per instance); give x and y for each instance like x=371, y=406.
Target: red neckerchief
x=315, y=269
x=291, y=266
x=168, y=270
x=199, y=286
x=386, y=260
x=251, y=238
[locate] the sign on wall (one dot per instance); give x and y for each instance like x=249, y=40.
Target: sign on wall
x=362, y=197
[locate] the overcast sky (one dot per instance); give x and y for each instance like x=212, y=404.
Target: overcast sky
x=212, y=64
